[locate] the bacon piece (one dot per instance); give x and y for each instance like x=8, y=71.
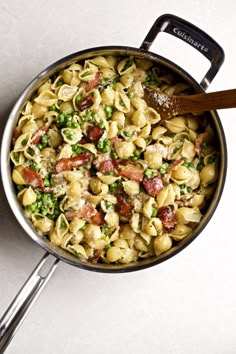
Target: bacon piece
x=114, y=140
x=123, y=208
x=95, y=133
x=167, y=217
x=98, y=218
x=199, y=141
x=84, y=140
x=107, y=166
x=86, y=212
x=91, y=84
x=32, y=178
x=96, y=256
x=85, y=103
x=133, y=172
x=38, y=135
x=66, y=164
x=100, y=158
x=153, y=185
x=16, y=134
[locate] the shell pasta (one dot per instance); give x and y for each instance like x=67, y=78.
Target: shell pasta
x=99, y=174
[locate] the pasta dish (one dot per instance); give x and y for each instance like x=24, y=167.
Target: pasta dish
x=99, y=174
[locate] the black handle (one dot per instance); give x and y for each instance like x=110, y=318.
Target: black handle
x=192, y=35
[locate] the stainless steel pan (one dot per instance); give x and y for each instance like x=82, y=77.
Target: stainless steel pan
x=175, y=26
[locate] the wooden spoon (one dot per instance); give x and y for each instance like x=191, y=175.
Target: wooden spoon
x=169, y=106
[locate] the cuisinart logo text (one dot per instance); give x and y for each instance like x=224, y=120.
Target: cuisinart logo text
x=189, y=39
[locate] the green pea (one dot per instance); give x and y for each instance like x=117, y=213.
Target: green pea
x=16, y=156
x=128, y=63
x=154, y=213
x=24, y=142
x=75, y=125
x=129, y=134
x=200, y=165
x=86, y=73
x=101, y=125
x=108, y=110
x=113, y=187
x=204, y=145
x=62, y=225
x=105, y=229
x=44, y=140
x=148, y=173
x=52, y=108
x=130, y=95
x=107, y=247
x=114, y=155
x=60, y=83
x=78, y=98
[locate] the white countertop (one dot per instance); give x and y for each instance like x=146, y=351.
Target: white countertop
x=185, y=305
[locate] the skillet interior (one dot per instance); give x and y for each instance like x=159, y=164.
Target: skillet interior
x=6, y=168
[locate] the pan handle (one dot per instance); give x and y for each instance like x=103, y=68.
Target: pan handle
x=18, y=309
x=192, y=35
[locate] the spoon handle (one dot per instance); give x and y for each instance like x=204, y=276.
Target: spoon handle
x=206, y=101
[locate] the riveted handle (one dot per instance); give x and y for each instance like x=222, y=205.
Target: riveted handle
x=18, y=309
x=193, y=36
